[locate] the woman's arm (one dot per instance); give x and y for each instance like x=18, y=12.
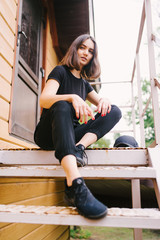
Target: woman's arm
x=49, y=97
x=103, y=104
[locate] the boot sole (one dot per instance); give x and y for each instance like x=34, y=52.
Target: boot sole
x=69, y=203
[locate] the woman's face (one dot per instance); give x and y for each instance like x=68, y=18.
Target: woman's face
x=85, y=52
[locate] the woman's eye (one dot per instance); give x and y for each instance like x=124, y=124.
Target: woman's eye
x=91, y=52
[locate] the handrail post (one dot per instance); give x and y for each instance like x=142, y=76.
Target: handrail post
x=152, y=69
x=140, y=102
x=133, y=110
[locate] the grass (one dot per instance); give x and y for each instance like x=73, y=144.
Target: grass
x=104, y=233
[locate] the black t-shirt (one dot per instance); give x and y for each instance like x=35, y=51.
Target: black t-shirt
x=69, y=84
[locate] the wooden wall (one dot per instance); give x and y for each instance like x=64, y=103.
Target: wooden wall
x=27, y=191
x=46, y=192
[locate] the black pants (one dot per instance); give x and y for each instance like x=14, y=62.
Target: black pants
x=57, y=130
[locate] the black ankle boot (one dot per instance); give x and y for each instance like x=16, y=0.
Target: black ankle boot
x=80, y=155
x=78, y=195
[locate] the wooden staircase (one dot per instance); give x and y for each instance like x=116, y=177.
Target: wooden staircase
x=132, y=164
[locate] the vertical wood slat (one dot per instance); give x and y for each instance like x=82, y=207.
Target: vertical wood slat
x=152, y=70
x=136, y=203
x=142, y=135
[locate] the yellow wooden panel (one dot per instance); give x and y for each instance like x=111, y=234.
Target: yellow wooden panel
x=18, y=180
x=7, y=33
x=12, y=6
x=4, y=109
x=6, y=51
x=4, y=224
x=53, y=199
x=16, y=231
x=14, y=192
x=49, y=68
x=8, y=15
x=40, y=232
x=56, y=233
x=5, y=70
x=51, y=56
x=7, y=145
x=16, y=1
x=4, y=135
x=5, y=90
x=59, y=183
x=65, y=235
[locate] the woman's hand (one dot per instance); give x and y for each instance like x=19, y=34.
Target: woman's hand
x=82, y=109
x=104, y=106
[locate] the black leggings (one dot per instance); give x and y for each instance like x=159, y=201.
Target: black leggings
x=57, y=131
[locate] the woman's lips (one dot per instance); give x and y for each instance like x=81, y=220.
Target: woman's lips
x=84, y=59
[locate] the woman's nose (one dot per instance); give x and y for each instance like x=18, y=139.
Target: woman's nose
x=86, y=51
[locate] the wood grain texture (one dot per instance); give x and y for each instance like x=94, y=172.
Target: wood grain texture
x=4, y=109
x=7, y=33
x=16, y=192
x=8, y=12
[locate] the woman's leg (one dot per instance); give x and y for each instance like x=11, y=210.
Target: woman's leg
x=86, y=134
x=55, y=130
x=76, y=192
x=61, y=133
x=69, y=165
x=88, y=139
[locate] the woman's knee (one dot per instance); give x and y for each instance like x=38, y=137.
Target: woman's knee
x=61, y=106
x=117, y=114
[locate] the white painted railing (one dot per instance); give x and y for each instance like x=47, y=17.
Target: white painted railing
x=146, y=16
x=151, y=40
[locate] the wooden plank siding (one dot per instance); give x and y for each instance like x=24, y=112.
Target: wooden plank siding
x=25, y=191
x=51, y=57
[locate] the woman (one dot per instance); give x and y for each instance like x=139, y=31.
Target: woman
x=63, y=102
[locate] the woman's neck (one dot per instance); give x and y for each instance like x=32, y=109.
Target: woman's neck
x=76, y=73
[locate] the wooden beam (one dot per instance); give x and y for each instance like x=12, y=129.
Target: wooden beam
x=113, y=157
x=117, y=217
x=86, y=172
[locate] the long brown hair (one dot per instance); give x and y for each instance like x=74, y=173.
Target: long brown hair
x=92, y=69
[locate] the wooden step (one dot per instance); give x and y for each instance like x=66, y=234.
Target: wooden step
x=117, y=217
x=95, y=172
x=120, y=156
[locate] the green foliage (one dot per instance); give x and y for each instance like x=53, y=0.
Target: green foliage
x=107, y=233
x=101, y=143
x=148, y=118
x=116, y=135
x=78, y=233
